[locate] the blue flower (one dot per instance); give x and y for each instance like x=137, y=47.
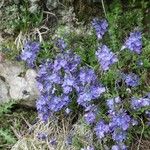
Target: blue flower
x=29, y=53
x=92, y=108
x=61, y=44
x=100, y=27
x=67, y=61
x=97, y=90
x=120, y=146
x=101, y=129
x=89, y=93
x=119, y=135
x=105, y=57
x=89, y=87
x=58, y=79
x=42, y=107
x=115, y=147
x=84, y=97
x=47, y=77
x=113, y=103
x=58, y=102
x=69, y=83
x=134, y=42
x=119, y=122
x=90, y=117
x=120, y=119
x=131, y=79
x=138, y=103
x=87, y=75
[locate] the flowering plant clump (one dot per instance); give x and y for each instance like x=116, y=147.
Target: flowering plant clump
x=58, y=79
x=118, y=125
x=67, y=79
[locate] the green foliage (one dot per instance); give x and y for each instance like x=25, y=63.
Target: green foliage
x=114, y=15
x=16, y=17
x=6, y=136
x=9, y=49
x=122, y=21
x=47, y=52
x=82, y=41
x=110, y=80
x=6, y=107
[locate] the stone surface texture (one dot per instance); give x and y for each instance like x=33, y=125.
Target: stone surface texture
x=17, y=83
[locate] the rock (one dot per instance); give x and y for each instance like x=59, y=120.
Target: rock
x=32, y=84
x=4, y=96
x=22, y=89
x=18, y=88
x=9, y=70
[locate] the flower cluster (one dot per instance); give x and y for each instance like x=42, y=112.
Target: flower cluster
x=118, y=124
x=90, y=117
x=101, y=129
x=49, y=82
x=113, y=103
x=59, y=78
x=138, y=103
x=131, y=79
x=90, y=114
x=100, y=27
x=89, y=87
x=134, y=42
x=105, y=57
x=66, y=76
x=29, y=53
x=120, y=121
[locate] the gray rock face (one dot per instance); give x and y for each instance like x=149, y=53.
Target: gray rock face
x=9, y=70
x=16, y=86
x=4, y=96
